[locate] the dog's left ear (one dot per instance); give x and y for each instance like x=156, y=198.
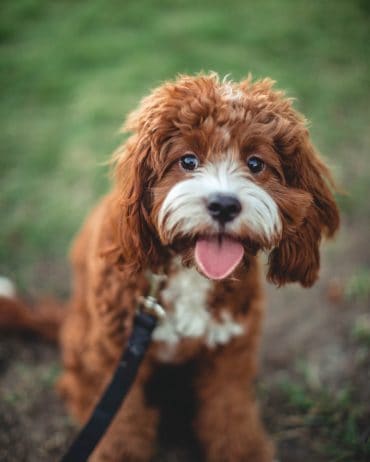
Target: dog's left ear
x=297, y=257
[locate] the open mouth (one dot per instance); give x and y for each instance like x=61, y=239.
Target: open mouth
x=218, y=256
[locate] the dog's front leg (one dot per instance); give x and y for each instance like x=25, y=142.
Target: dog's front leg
x=228, y=424
x=132, y=435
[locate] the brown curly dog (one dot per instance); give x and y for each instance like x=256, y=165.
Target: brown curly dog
x=213, y=172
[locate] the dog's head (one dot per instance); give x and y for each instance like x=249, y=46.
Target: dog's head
x=216, y=171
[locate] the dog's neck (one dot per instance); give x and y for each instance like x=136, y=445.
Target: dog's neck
x=202, y=311
x=229, y=292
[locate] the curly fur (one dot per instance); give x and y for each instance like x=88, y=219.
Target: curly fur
x=126, y=235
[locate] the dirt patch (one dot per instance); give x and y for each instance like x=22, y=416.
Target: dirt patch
x=308, y=347
x=34, y=424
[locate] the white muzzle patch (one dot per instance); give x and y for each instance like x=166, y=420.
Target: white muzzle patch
x=184, y=210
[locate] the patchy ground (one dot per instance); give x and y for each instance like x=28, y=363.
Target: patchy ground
x=313, y=385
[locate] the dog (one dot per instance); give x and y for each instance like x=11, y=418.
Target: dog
x=213, y=173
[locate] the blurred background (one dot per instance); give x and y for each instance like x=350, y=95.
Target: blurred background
x=70, y=72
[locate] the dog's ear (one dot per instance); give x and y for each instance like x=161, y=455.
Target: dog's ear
x=297, y=257
x=136, y=243
x=135, y=164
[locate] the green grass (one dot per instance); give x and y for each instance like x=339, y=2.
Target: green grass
x=70, y=72
x=332, y=422
x=358, y=286
x=336, y=423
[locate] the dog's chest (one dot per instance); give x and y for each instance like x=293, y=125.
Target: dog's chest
x=185, y=298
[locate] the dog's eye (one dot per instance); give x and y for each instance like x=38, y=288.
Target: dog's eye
x=255, y=164
x=189, y=161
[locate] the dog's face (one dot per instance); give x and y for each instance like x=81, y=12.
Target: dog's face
x=216, y=171
x=215, y=203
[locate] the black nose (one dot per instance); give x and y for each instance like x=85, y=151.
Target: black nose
x=223, y=208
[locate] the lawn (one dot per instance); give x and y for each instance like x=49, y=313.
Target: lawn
x=71, y=71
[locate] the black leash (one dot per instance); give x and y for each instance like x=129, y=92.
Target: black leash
x=144, y=323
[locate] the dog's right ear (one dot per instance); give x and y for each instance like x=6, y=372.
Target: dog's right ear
x=135, y=164
x=135, y=238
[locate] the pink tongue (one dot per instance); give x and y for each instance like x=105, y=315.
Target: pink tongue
x=218, y=259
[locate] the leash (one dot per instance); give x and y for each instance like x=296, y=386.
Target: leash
x=148, y=313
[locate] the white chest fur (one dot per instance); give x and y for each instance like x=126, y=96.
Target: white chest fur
x=187, y=316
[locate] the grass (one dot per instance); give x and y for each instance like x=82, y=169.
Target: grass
x=71, y=71
x=333, y=423
x=337, y=424
x=358, y=286
x=332, y=420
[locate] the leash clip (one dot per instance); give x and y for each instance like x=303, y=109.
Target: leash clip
x=151, y=306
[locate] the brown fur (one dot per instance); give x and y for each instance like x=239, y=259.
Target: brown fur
x=121, y=240
x=44, y=321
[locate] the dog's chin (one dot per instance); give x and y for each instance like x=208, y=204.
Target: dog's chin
x=216, y=257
